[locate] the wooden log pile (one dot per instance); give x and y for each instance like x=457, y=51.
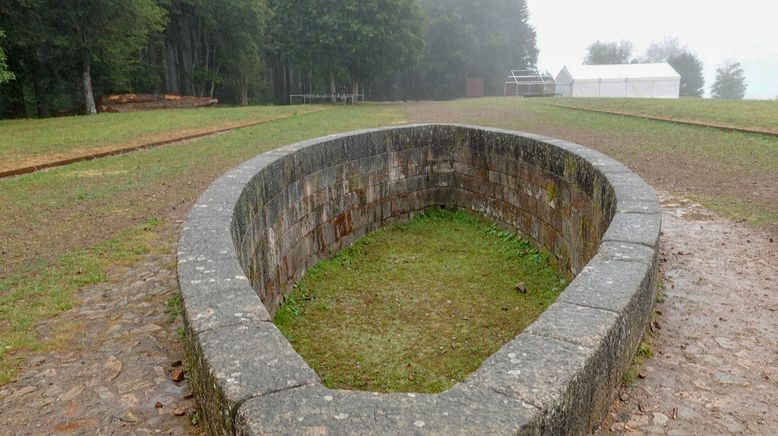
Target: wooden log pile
x=141, y=102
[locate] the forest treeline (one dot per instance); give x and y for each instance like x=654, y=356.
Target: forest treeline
x=57, y=55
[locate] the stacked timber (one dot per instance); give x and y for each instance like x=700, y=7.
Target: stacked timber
x=141, y=102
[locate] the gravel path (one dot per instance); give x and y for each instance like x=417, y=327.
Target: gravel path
x=115, y=375
x=715, y=364
x=714, y=368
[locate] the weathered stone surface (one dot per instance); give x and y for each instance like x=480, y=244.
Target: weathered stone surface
x=635, y=228
x=627, y=252
x=317, y=410
x=554, y=376
x=234, y=363
x=580, y=325
x=256, y=230
x=608, y=284
x=236, y=305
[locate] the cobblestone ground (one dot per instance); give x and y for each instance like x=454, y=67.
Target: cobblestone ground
x=714, y=368
x=116, y=373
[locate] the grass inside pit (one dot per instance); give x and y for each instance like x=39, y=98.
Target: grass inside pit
x=418, y=306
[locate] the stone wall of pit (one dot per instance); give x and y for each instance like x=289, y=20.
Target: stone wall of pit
x=257, y=230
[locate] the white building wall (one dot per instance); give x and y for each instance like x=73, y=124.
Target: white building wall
x=629, y=80
x=585, y=89
x=613, y=88
x=640, y=88
x=667, y=88
x=633, y=88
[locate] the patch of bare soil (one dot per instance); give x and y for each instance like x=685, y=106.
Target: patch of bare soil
x=120, y=368
x=715, y=337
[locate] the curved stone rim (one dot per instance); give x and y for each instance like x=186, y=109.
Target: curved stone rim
x=558, y=375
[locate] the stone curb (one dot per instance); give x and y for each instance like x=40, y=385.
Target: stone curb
x=260, y=226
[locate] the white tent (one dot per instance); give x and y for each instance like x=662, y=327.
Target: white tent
x=627, y=80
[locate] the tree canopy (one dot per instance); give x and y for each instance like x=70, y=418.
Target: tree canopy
x=107, y=32
x=602, y=53
x=474, y=38
x=689, y=67
x=730, y=82
x=661, y=51
x=64, y=53
x=5, y=74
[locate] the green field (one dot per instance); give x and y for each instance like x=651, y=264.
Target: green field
x=30, y=140
x=419, y=306
x=731, y=172
x=751, y=114
x=66, y=227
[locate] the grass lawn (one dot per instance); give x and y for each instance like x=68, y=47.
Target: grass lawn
x=753, y=114
x=417, y=307
x=33, y=141
x=733, y=173
x=67, y=227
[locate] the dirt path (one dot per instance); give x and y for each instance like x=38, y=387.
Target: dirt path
x=715, y=340
x=115, y=374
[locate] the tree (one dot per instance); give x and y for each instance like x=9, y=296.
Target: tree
x=239, y=29
x=5, y=74
x=601, y=53
x=379, y=37
x=663, y=50
x=108, y=32
x=309, y=33
x=730, y=82
x=362, y=39
x=215, y=47
x=474, y=38
x=690, y=69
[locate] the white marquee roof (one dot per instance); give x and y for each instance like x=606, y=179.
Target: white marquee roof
x=622, y=71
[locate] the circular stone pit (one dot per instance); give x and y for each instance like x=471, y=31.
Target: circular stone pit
x=258, y=228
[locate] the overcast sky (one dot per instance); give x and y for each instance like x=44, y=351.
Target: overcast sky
x=745, y=31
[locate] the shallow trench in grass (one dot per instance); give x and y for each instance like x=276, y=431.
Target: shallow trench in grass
x=418, y=306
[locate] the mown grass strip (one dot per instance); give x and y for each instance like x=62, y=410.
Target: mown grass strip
x=122, y=149
x=748, y=115
x=26, y=138
x=684, y=122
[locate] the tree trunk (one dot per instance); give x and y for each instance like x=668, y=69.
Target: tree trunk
x=213, y=82
x=332, y=87
x=354, y=91
x=244, y=91
x=170, y=64
x=41, y=103
x=287, y=80
x=86, y=78
x=41, y=96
